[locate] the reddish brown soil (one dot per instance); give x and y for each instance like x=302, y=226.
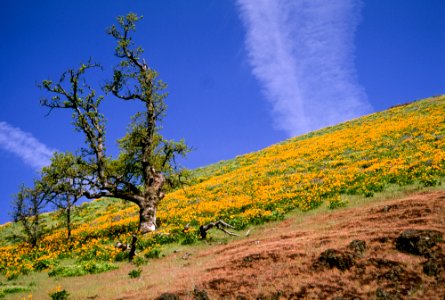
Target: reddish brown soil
x=284, y=261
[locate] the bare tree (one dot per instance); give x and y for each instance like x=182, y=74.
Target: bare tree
x=27, y=207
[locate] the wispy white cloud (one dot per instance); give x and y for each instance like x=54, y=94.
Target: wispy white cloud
x=302, y=52
x=25, y=146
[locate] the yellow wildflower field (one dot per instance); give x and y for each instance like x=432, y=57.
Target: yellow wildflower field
x=402, y=145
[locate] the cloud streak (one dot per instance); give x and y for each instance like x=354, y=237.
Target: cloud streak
x=25, y=146
x=302, y=53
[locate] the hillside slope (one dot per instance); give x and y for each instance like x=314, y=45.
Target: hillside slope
x=400, y=146
x=286, y=261
x=350, y=253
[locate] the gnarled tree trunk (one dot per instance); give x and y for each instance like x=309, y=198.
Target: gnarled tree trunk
x=148, y=207
x=147, y=216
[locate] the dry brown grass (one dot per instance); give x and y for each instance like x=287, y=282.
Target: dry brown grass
x=279, y=263
x=277, y=260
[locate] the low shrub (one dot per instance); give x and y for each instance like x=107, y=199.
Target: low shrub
x=59, y=294
x=135, y=273
x=189, y=238
x=337, y=203
x=43, y=264
x=152, y=253
x=122, y=256
x=67, y=271
x=139, y=261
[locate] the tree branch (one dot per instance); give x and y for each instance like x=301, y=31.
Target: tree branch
x=221, y=225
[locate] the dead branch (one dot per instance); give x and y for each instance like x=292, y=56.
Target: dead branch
x=131, y=248
x=221, y=225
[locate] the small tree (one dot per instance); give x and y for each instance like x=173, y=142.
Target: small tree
x=146, y=164
x=27, y=207
x=64, y=178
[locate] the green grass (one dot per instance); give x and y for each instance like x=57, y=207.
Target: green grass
x=6, y=290
x=80, y=269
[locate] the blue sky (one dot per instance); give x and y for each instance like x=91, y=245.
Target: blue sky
x=242, y=75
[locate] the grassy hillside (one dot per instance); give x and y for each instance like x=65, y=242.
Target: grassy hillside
x=400, y=146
